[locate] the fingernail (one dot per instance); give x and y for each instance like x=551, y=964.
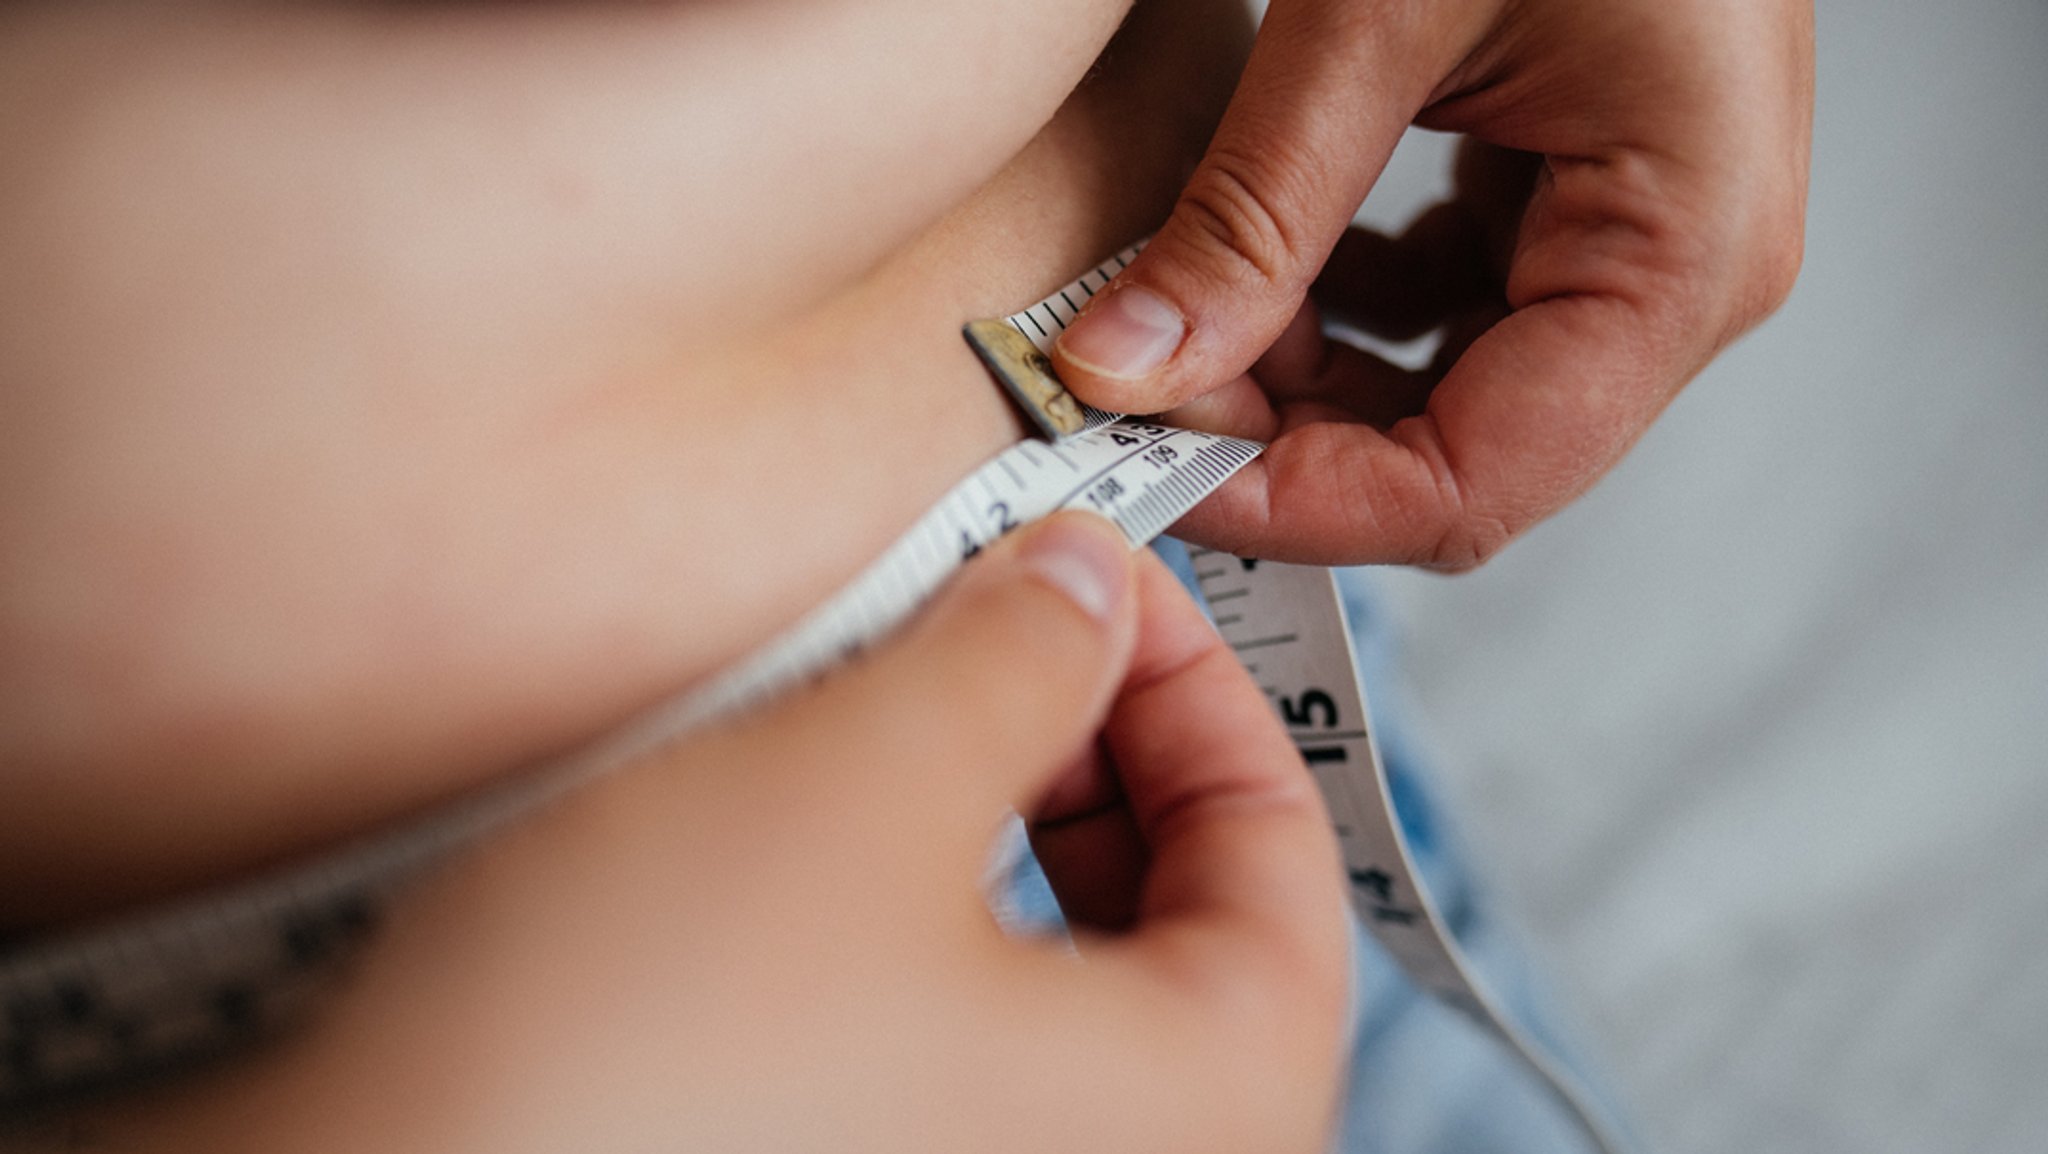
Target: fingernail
x=1084, y=557
x=1126, y=334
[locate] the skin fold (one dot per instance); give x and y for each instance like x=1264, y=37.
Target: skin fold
x=373, y=424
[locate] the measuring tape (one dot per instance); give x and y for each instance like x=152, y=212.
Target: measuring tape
x=180, y=983
x=1287, y=625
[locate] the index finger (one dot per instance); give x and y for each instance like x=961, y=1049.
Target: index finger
x=1533, y=413
x=1243, y=893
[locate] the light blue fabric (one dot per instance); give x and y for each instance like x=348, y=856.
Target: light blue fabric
x=1423, y=1080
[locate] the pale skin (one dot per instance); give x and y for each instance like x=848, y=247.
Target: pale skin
x=373, y=378
x=714, y=950
x=303, y=531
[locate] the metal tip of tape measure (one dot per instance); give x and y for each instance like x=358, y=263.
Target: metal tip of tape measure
x=1027, y=376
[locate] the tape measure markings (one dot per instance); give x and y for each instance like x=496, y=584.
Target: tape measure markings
x=1293, y=617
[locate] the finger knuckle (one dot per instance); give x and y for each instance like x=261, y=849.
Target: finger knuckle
x=1240, y=212
x=1469, y=533
x=1769, y=253
x=1777, y=269
x=1469, y=541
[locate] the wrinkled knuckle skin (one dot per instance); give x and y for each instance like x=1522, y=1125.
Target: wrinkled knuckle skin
x=1770, y=270
x=1468, y=536
x=1778, y=270
x=1470, y=541
x=1238, y=214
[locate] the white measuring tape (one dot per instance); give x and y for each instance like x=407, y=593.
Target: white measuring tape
x=177, y=984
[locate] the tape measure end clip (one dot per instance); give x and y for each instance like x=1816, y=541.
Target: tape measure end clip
x=1026, y=375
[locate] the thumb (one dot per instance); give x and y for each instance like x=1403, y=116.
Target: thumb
x=996, y=687
x=1328, y=90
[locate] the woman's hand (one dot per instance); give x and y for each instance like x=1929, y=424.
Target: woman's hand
x=1629, y=199
x=774, y=939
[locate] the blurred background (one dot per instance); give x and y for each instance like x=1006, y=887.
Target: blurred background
x=1752, y=742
